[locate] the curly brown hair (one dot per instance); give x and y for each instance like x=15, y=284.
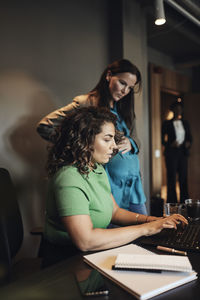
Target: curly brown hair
x=75, y=137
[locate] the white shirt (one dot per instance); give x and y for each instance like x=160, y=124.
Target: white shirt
x=179, y=131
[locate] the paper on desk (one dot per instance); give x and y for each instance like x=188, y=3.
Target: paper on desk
x=133, y=281
x=153, y=262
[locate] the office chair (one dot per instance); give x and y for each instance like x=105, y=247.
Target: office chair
x=11, y=228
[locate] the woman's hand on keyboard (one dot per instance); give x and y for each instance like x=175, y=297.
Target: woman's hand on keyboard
x=167, y=222
x=174, y=220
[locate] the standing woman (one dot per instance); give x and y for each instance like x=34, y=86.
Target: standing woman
x=115, y=90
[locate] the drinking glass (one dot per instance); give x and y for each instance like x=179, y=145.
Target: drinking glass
x=172, y=208
x=193, y=209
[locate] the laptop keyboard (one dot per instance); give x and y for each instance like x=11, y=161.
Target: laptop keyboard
x=187, y=238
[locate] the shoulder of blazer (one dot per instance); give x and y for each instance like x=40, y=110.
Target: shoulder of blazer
x=85, y=100
x=167, y=124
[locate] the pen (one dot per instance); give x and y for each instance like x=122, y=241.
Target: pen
x=171, y=250
x=136, y=269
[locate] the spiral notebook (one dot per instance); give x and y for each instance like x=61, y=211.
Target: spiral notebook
x=133, y=281
x=152, y=263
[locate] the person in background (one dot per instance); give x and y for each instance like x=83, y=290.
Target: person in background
x=115, y=90
x=79, y=203
x=177, y=140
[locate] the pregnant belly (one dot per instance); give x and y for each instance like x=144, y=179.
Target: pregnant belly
x=122, y=165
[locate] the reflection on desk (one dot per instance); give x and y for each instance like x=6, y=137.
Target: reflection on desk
x=58, y=282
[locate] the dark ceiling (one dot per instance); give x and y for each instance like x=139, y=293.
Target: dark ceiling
x=179, y=37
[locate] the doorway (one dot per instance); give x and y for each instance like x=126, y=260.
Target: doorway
x=167, y=84
x=166, y=99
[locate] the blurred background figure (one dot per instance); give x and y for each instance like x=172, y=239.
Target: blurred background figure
x=177, y=139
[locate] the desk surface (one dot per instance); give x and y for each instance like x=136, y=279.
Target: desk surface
x=58, y=282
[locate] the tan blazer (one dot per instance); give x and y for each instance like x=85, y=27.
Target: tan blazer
x=47, y=126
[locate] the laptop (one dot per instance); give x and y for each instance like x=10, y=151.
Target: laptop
x=183, y=238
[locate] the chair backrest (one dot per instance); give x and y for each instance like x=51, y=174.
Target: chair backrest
x=11, y=226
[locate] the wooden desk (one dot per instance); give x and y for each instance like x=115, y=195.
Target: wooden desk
x=58, y=282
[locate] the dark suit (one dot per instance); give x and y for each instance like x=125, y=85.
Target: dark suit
x=176, y=159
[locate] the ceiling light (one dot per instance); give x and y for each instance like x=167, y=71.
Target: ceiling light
x=160, y=13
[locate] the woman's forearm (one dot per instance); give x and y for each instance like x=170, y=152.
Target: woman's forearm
x=47, y=126
x=123, y=217
x=87, y=238
x=109, y=238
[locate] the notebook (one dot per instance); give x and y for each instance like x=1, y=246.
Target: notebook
x=152, y=263
x=133, y=281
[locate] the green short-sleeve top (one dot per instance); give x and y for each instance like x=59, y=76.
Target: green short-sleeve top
x=71, y=193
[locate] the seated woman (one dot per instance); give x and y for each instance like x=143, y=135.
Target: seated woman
x=79, y=203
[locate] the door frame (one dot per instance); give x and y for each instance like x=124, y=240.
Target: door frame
x=161, y=79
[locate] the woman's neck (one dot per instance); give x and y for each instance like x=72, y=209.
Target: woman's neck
x=111, y=103
x=91, y=166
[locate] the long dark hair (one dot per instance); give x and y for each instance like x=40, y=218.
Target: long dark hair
x=74, y=140
x=125, y=106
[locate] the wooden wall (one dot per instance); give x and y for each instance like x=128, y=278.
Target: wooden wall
x=192, y=113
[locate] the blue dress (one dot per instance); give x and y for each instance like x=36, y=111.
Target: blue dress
x=123, y=171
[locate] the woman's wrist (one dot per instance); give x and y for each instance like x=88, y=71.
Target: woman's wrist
x=141, y=219
x=152, y=218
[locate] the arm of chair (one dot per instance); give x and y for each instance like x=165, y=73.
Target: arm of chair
x=37, y=231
